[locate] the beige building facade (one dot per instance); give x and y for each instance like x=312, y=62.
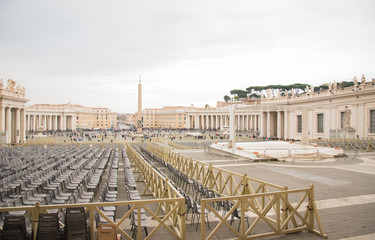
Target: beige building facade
x=335, y=113
x=151, y=118
x=172, y=117
x=12, y=112
x=42, y=117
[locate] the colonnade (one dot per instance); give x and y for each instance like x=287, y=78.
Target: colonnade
x=244, y=122
x=43, y=122
x=264, y=123
x=13, y=122
x=274, y=124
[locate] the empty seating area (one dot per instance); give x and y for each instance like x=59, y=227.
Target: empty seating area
x=192, y=191
x=55, y=175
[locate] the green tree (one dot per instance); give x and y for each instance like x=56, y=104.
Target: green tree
x=239, y=92
x=226, y=98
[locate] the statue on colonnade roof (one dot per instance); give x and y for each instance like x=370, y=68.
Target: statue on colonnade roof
x=355, y=81
x=11, y=85
x=363, y=79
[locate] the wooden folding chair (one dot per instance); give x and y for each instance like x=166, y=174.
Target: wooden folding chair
x=107, y=231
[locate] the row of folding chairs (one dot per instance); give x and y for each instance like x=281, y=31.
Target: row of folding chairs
x=44, y=170
x=110, y=211
x=133, y=195
x=67, y=187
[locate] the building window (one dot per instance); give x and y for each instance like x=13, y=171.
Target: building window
x=372, y=121
x=320, y=122
x=299, y=123
x=342, y=116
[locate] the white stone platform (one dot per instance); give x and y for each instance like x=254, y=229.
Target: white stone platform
x=279, y=150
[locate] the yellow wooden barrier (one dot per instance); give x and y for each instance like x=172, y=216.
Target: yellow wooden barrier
x=161, y=188
x=171, y=204
x=223, y=182
x=279, y=215
x=176, y=204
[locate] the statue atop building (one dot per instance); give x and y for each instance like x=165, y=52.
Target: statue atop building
x=11, y=85
x=19, y=89
x=363, y=79
x=1, y=84
x=355, y=81
x=334, y=85
x=277, y=93
x=307, y=90
x=269, y=93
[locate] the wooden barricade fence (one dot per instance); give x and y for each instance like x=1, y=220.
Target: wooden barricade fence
x=176, y=206
x=279, y=215
x=169, y=213
x=250, y=195
x=223, y=182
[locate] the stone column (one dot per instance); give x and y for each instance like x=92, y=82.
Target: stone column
x=45, y=122
x=305, y=126
x=30, y=122
x=27, y=122
x=187, y=121
x=63, y=122
x=50, y=122
x=56, y=127
x=197, y=118
x=243, y=123
x=232, y=131
x=2, y=118
x=35, y=121
x=38, y=122
x=247, y=127
x=8, y=123
x=18, y=125
x=259, y=122
x=279, y=121
x=23, y=125
x=286, y=135
x=268, y=124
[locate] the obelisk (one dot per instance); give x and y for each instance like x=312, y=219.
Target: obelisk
x=139, y=114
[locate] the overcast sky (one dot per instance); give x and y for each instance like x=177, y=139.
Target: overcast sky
x=188, y=52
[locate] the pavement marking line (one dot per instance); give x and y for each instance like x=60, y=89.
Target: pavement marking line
x=234, y=165
x=359, y=168
x=361, y=237
x=345, y=201
x=307, y=176
x=221, y=160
